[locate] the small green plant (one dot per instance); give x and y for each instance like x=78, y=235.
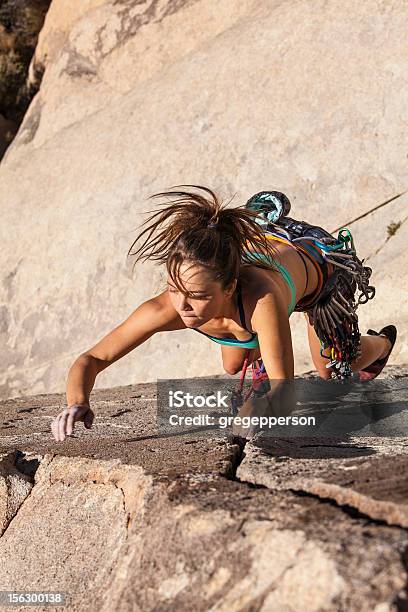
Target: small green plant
x=392, y=228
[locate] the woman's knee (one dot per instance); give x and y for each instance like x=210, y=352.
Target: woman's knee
x=233, y=368
x=233, y=358
x=325, y=374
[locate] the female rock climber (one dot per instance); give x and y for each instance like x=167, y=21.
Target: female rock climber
x=237, y=284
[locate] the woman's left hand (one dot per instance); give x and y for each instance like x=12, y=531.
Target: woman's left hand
x=252, y=408
x=280, y=401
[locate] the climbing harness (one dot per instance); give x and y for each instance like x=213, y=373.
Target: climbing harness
x=333, y=313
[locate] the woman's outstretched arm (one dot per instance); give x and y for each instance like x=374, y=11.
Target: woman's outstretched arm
x=154, y=315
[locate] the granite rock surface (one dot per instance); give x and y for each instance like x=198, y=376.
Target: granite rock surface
x=126, y=517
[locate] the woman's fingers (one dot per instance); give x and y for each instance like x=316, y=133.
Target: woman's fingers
x=71, y=420
x=64, y=423
x=243, y=432
x=89, y=417
x=54, y=427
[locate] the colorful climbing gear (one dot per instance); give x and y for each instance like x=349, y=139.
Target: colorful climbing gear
x=333, y=311
x=260, y=383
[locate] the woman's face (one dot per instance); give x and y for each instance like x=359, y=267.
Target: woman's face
x=204, y=298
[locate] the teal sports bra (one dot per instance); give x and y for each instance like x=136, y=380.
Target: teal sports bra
x=253, y=341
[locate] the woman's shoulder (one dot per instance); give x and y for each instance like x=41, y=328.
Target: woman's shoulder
x=262, y=290
x=258, y=283
x=165, y=311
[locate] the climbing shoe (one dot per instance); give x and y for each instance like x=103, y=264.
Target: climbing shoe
x=373, y=370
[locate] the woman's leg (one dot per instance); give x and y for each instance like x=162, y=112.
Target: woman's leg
x=233, y=357
x=372, y=348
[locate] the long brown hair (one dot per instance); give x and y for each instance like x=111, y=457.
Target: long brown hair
x=202, y=230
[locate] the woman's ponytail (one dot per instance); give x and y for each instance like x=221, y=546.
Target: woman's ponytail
x=199, y=228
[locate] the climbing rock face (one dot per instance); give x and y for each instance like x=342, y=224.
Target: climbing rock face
x=123, y=517
x=136, y=97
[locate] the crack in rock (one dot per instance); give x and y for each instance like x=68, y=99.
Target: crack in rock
x=368, y=212
x=380, y=248
x=374, y=509
x=15, y=487
x=350, y=511
x=375, y=486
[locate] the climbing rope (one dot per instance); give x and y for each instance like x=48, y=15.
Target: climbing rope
x=260, y=383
